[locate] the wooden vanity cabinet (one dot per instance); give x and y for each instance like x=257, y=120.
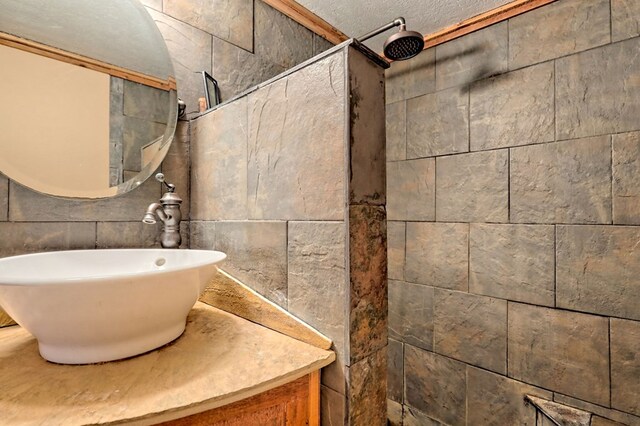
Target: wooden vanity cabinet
x=293, y=404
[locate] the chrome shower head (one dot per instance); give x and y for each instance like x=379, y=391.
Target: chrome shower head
x=401, y=45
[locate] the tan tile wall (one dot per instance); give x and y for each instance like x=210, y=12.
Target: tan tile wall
x=512, y=180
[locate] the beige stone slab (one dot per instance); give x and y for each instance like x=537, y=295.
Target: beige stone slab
x=626, y=179
x=220, y=359
x=4, y=198
x=394, y=413
x=625, y=19
x=615, y=415
x=625, y=365
x=5, y=319
x=229, y=294
x=556, y=30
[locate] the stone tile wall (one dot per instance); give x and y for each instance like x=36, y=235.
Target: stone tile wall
x=195, y=32
x=513, y=174
x=289, y=181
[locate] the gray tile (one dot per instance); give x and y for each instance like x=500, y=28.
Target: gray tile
x=396, y=129
x=333, y=407
x=598, y=270
x=219, y=163
x=320, y=44
x=368, y=281
x=497, y=400
x=563, y=182
x=4, y=198
x=395, y=376
x=411, y=190
x=625, y=365
x=411, y=78
x=288, y=133
x=136, y=133
x=145, y=102
x=472, y=57
x=257, y=255
x=236, y=70
x=438, y=123
x=435, y=385
x=597, y=91
x=513, y=109
x=367, y=173
x=514, y=262
x=128, y=235
x=395, y=250
x=472, y=187
x=564, y=351
x=557, y=30
x=411, y=313
x=202, y=235
x=317, y=284
x=368, y=390
x=626, y=180
x=27, y=205
x=176, y=166
x=471, y=328
x=190, y=50
x=22, y=238
x=437, y=254
x=230, y=20
x=625, y=19
x=279, y=39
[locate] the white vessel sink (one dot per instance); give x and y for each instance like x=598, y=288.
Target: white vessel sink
x=90, y=306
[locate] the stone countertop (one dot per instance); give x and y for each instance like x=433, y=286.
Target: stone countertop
x=220, y=359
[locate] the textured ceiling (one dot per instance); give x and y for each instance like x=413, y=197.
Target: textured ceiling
x=358, y=17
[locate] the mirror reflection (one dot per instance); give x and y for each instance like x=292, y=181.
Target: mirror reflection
x=90, y=116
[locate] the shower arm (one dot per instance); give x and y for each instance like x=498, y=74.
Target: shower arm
x=395, y=23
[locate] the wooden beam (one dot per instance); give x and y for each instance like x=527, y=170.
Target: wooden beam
x=308, y=19
x=86, y=62
x=483, y=20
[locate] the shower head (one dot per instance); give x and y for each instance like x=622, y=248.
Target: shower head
x=401, y=45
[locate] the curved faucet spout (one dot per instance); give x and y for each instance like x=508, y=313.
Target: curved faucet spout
x=155, y=209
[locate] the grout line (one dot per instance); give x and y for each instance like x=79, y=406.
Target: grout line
x=610, y=23
x=507, y=342
x=609, y=343
x=509, y=185
x=611, y=176
x=555, y=102
x=555, y=266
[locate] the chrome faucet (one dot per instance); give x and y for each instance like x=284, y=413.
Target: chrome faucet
x=168, y=211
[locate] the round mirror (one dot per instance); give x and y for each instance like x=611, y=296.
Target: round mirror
x=89, y=102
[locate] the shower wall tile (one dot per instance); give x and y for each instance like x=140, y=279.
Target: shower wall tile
x=279, y=39
x=145, y=102
x=473, y=57
x=437, y=254
x=219, y=164
x=563, y=182
x=202, y=235
x=128, y=235
x=190, y=50
x=231, y=20
x=176, y=166
x=411, y=78
x=512, y=262
x=320, y=44
x=411, y=314
x=368, y=390
x=615, y=415
x=625, y=365
x=626, y=179
x=479, y=337
x=395, y=249
x=394, y=411
x=395, y=379
x=236, y=70
x=435, y=385
x=446, y=131
x=367, y=280
x=472, y=187
x=29, y=206
x=333, y=407
x=318, y=287
x=411, y=190
x=560, y=29
x=560, y=350
x=598, y=270
x=257, y=255
x=512, y=109
x=22, y=238
x=4, y=198
x=625, y=19
x=413, y=417
x=366, y=168
x=598, y=91
x=497, y=400
x=293, y=122
x=396, y=129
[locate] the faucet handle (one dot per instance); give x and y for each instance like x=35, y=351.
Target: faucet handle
x=160, y=178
